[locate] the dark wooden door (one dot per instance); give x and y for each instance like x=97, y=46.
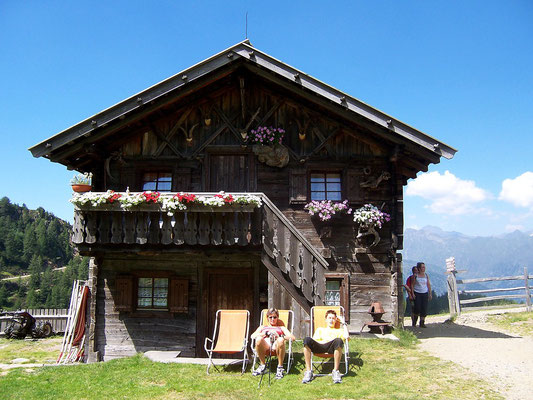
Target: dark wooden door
x=227, y=289
x=229, y=172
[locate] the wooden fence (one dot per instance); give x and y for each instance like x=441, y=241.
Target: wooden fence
x=56, y=316
x=453, y=291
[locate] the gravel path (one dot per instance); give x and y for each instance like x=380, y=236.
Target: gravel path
x=502, y=358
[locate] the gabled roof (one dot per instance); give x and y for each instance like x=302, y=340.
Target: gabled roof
x=245, y=51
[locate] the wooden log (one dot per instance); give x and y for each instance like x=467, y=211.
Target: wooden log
x=294, y=262
x=129, y=227
x=191, y=229
x=492, y=290
x=91, y=228
x=104, y=231
x=307, y=275
x=142, y=228
x=166, y=229
x=204, y=229
x=216, y=229
x=154, y=229
x=243, y=224
x=481, y=299
x=280, y=243
x=116, y=228
x=79, y=227
x=178, y=231
x=528, y=293
x=503, y=278
x=229, y=229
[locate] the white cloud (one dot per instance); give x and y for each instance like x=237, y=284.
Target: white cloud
x=447, y=193
x=512, y=228
x=518, y=191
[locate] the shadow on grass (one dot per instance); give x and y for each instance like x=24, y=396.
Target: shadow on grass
x=355, y=363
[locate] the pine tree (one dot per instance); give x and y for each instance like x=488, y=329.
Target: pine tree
x=35, y=269
x=3, y=296
x=29, y=243
x=45, y=292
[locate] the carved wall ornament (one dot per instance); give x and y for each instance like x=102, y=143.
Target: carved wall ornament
x=273, y=156
x=374, y=182
x=367, y=236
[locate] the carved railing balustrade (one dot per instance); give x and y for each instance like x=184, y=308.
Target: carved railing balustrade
x=286, y=253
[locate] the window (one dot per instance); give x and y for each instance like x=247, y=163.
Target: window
x=157, y=181
x=337, y=292
x=152, y=293
x=326, y=186
x=333, y=292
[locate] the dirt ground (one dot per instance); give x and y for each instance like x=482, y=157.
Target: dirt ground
x=502, y=358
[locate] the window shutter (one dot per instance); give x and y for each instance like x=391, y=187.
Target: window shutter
x=345, y=296
x=181, y=180
x=298, y=186
x=178, y=300
x=352, y=186
x=124, y=293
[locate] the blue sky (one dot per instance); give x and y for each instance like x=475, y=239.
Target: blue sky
x=458, y=71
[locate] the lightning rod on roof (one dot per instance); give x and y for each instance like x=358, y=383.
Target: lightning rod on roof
x=246, y=27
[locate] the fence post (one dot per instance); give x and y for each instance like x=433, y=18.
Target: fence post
x=451, y=295
x=528, y=294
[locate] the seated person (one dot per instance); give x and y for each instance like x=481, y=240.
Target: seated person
x=326, y=340
x=272, y=336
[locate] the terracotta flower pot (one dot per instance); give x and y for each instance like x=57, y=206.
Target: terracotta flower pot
x=81, y=188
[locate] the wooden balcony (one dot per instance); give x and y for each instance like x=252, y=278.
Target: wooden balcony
x=285, y=252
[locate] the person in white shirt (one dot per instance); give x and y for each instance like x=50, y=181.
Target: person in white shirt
x=422, y=290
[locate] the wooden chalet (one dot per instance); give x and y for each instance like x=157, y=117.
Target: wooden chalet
x=189, y=134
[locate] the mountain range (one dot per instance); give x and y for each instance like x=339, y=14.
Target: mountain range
x=492, y=256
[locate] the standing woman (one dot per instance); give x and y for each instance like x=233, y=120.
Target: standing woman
x=422, y=289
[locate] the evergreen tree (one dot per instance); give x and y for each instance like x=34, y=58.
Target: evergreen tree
x=14, y=244
x=29, y=243
x=40, y=234
x=3, y=296
x=32, y=299
x=47, y=283
x=21, y=295
x=35, y=269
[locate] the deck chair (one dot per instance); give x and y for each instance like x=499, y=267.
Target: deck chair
x=230, y=335
x=318, y=319
x=287, y=317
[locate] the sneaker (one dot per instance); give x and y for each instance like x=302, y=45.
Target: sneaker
x=280, y=373
x=308, y=377
x=422, y=325
x=260, y=370
x=336, y=376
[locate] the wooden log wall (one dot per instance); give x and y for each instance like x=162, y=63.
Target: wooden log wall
x=316, y=141
x=120, y=334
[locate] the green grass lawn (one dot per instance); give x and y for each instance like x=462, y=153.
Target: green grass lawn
x=380, y=369
x=35, y=350
x=520, y=323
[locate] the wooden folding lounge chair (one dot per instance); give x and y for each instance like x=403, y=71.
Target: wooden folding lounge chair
x=318, y=319
x=287, y=317
x=230, y=335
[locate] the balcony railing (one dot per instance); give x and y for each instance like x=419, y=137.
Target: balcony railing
x=286, y=253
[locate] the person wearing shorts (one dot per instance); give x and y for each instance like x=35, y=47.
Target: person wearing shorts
x=326, y=340
x=271, y=336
